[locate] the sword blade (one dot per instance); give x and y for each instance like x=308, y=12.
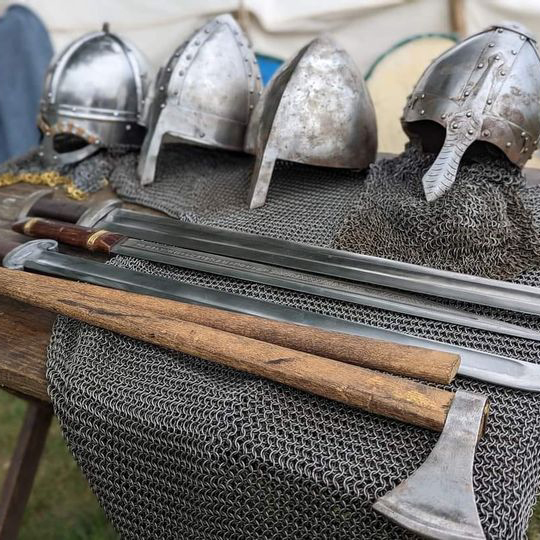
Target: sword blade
x=315, y=284
x=484, y=366
x=328, y=262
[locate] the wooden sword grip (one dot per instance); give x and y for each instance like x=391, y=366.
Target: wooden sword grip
x=99, y=241
x=120, y=311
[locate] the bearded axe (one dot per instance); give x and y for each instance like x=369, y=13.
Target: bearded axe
x=437, y=501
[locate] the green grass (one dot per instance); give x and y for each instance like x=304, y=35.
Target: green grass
x=61, y=506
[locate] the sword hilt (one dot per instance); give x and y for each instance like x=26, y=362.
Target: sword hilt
x=56, y=209
x=97, y=241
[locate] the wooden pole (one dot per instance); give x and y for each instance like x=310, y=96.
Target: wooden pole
x=118, y=311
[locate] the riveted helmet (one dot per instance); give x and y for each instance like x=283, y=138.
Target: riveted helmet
x=205, y=93
x=93, y=97
x=486, y=88
x=315, y=110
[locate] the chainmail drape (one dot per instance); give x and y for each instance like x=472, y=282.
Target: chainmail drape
x=177, y=447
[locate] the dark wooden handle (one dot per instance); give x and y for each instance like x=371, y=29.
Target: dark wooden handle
x=73, y=235
x=6, y=246
x=54, y=209
x=122, y=312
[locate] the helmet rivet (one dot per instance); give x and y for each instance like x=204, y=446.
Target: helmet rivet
x=522, y=37
x=500, y=30
x=55, y=157
x=162, y=106
x=206, y=31
x=128, y=127
x=489, y=101
x=523, y=134
x=497, y=57
x=466, y=93
x=168, y=70
x=181, y=73
x=258, y=77
x=115, y=113
x=443, y=116
x=196, y=42
x=188, y=57
x=514, y=52
x=486, y=133
x=469, y=114
x=508, y=144
x=470, y=131
x=491, y=44
x=480, y=65
x=161, y=88
x=503, y=73
x=73, y=109
x=251, y=91
x=422, y=111
x=40, y=154
x=246, y=60
x=49, y=95
x=251, y=106
x=98, y=141
x=201, y=134
x=454, y=125
x=422, y=96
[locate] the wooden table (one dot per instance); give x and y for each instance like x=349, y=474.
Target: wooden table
x=25, y=332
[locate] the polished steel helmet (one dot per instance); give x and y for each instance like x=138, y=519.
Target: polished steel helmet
x=315, y=110
x=486, y=88
x=93, y=97
x=205, y=93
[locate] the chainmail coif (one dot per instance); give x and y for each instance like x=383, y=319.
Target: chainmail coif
x=484, y=225
x=177, y=447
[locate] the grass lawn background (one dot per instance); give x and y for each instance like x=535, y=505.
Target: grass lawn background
x=61, y=505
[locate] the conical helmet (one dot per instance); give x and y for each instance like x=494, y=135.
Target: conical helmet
x=205, y=94
x=486, y=88
x=316, y=110
x=93, y=97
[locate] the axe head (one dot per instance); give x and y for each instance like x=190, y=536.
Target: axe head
x=437, y=501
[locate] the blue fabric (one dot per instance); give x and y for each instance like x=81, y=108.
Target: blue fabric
x=268, y=66
x=25, y=53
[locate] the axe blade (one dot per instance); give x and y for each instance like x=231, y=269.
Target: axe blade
x=438, y=501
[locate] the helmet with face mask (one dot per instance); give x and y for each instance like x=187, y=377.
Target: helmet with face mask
x=93, y=98
x=487, y=89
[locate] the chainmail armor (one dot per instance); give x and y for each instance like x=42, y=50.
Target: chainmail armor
x=177, y=447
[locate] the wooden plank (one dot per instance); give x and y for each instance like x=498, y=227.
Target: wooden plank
x=23, y=468
x=24, y=333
